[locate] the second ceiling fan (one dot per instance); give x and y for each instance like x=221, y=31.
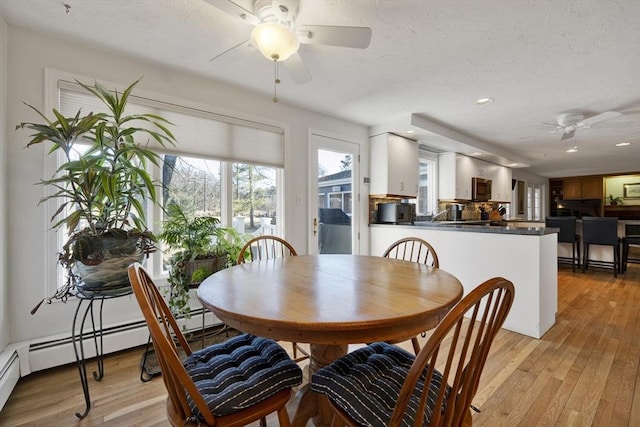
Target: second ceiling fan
x=278, y=36
x=570, y=122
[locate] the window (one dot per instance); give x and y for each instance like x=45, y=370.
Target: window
x=196, y=184
x=427, y=200
x=233, y=167
x=254, y=198
x=534, y=202
x=322, y=201
x=192, y=183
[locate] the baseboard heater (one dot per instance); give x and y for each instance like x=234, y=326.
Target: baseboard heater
x=20, y=359
x=46, y=354
x=9, y=374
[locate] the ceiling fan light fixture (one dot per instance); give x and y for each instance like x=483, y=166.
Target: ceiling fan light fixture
x=275, y=41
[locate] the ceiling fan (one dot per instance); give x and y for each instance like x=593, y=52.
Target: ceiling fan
x=570, y=122
x=277, y=35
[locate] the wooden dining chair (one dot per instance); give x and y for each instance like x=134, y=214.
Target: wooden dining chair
x=416, y=250
x=413, y=249
x=383, y=384
x=269, y=247
x=233, y=383
x=265, y=247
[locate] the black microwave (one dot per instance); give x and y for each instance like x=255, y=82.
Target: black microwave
x=480, y=189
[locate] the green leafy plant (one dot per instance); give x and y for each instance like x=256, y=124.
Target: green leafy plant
x=201, y=247
x=103, y=189
x=615, y=200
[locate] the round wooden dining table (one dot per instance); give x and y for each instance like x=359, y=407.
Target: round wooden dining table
x=330, y=301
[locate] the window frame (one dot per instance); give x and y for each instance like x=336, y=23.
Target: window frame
x=432, y=181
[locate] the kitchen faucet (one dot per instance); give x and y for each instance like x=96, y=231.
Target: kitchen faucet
x=433, y=218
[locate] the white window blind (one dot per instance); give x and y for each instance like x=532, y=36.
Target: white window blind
x=197, y=132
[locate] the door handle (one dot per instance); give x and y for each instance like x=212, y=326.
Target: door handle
x=315, y=226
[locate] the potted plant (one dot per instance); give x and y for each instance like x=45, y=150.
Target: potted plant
x=102, y=185
x=613, y=201
x=200, y=247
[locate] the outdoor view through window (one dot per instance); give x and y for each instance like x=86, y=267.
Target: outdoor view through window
x=196, y=185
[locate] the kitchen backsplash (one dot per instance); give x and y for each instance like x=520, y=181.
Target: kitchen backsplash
x=472, y=210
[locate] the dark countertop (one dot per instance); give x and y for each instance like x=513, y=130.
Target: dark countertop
x=477, y=227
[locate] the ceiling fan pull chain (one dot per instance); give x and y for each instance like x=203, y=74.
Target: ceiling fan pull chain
x=276, y=81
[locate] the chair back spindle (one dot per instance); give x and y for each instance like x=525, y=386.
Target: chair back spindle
x=382, y=384
x=265, y=247
x=413, y=249
x=198, y=387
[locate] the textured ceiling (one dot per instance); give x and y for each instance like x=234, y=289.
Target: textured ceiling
x=427, y=63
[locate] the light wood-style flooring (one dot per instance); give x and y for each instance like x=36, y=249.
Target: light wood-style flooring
x=583, y=372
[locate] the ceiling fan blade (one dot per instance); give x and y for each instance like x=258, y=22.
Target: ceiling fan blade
x=357, y=37
x=598, y=118
x=235, y=52
x=567, y=134
x=236, y=10
x=297, y=69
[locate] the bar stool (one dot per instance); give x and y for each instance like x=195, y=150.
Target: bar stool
x=601, y=231
x=631, y=237
x=567, y=234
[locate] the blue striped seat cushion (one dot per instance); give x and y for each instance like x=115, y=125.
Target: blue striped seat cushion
x=241, y=372
x=366, y=383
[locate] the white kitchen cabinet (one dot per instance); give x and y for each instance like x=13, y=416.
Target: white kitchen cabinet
x=454, y=176
x=466, y=169
x=456, y=172
x=501, y=184
x=394, y=166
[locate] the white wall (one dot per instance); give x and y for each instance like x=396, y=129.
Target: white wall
x=523, y=175
x=4, y=129
x=29, y=53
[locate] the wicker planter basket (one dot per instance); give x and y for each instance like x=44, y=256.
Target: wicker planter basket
x=210, y=266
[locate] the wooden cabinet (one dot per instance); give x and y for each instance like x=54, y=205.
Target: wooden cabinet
x=556, y=194
x=573, y=188
x=590, y=187
x=394, y=166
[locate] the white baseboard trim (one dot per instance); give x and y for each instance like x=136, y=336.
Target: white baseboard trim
x=20, y=359
x=9, y=373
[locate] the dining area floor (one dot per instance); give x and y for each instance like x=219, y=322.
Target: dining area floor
x=584, y=371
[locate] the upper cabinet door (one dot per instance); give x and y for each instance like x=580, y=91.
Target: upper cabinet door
x=501, y=191
x=583, y=188
x=592, y=187
x=394, y=166
x=466, y=169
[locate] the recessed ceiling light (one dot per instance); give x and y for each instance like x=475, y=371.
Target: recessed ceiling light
x=623, y=144
x=484, y=101
x=411, y=131
x=572, y=150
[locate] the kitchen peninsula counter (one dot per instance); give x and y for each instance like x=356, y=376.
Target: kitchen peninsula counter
x=479, y=227
x=473, y=253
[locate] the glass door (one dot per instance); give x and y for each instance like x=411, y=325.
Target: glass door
x=334, y=170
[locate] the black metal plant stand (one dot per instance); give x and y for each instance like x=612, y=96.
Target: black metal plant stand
x=96, y=333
